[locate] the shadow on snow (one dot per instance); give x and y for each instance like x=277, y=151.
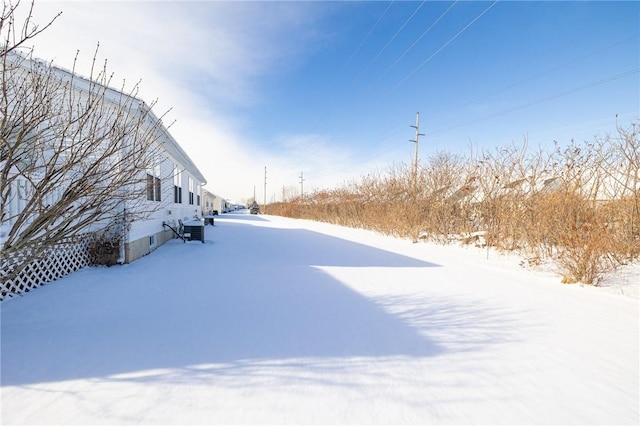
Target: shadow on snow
x=250, y=293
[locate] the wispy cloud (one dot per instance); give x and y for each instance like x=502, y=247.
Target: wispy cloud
x=203, y=60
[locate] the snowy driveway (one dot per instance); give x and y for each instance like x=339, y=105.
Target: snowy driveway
x=282, y=321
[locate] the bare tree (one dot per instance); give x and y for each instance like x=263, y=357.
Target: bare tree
x=75, y=155
x=13, y=36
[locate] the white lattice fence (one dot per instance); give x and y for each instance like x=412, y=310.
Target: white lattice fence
x=56, y=263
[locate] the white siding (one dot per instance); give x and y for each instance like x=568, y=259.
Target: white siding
x=169, y=211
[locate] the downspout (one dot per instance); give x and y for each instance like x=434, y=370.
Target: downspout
x=123, y=239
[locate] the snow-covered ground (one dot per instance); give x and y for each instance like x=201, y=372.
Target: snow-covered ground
x=285, y=321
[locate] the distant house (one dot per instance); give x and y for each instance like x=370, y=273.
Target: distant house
x=226, y=206
x=209, y=202
x=215, y=202
x=222, y=205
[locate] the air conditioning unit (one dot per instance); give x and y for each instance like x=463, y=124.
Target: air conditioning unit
x=194, y=230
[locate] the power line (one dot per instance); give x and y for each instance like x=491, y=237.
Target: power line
x=419, y=38
x=389, y=42
x=444, y=45
x=550, y=70
x=547, y=98
x=368, y=35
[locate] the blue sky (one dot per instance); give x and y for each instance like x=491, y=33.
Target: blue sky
x=331, y=89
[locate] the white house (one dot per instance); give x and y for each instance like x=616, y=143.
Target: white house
x=178, y=199
x=216, y=202
x=168, y=188
x=210, y=202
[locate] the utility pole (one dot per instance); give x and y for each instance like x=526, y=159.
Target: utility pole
x=415, y=158
x=301, y=185
x=283, y=193
x=265, y=187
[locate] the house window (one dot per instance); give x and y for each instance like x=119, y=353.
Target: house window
x=198, y=203
x=154, y=185
x=191, y=190
x=152, y=241
x=177, y=184
x=150, y=190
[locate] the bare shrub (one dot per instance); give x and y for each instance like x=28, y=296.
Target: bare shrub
x=577, y=205
x=104, y=250
x=580, y=235
x=619, y=157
